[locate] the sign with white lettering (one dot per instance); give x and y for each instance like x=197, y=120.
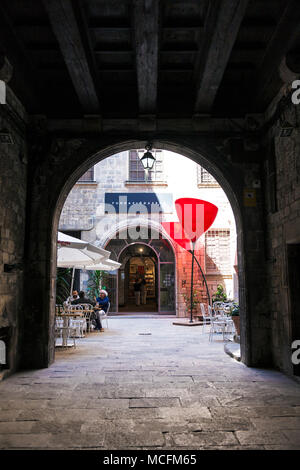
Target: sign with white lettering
x=138, y=202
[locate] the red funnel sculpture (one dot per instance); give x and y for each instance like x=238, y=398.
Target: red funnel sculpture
x=175, y=230
x=195, y=218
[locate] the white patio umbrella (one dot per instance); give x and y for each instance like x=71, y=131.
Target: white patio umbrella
x=77, y=254
x=106, y=265
x=71, y=242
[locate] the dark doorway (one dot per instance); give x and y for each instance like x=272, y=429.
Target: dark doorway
x=294, y=289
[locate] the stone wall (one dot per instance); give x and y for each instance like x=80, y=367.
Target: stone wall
x=283, y=228
x=84, y=206
x=13, y=173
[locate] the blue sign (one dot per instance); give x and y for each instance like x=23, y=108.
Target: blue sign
x=116, y=203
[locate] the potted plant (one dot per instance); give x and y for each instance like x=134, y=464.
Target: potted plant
x=235, y=314
x=219, y=295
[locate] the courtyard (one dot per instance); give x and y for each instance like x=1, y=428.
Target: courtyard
x=145, y=383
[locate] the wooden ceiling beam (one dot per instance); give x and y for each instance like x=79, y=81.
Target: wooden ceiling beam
x=222, y=25
x=146, y=29
x=65, y=27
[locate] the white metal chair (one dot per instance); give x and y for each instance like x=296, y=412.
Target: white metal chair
x=74, y=308
x=217, y=324
x=88, y=311
x=218, y=308
x=64, y=331
x=104, y=315
x=78, y=326
x=220, y=325
x=230, y=328
x=205, y=317
x=211, y=313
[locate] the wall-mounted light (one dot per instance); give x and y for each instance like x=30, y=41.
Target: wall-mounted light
x=5, y=137
x=148, y=159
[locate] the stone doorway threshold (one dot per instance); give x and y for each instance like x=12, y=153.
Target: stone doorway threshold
x=233, y=350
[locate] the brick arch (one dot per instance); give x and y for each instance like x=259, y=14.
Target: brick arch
x=72, y=164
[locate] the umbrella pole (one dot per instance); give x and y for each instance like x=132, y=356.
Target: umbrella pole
x=192, y=283
x=72, y=282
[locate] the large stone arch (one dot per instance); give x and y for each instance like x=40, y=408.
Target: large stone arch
x=64, y=161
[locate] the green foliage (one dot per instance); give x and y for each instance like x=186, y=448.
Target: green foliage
x=235, y=310
x=94, y=284
x=195, y=300
x=219, y=295
x=63, y=284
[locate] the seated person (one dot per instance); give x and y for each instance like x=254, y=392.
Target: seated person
x=82, y=299
x=72, y=297
x=85, y=300
x=102, y=302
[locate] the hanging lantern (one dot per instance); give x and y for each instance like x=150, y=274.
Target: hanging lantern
x=148, y=159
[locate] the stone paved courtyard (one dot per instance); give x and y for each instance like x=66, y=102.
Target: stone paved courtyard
x=147, y=384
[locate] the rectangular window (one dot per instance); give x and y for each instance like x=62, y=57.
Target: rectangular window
x=217, y=251
x=87, y=176
x=136, y=169
x=205, y=178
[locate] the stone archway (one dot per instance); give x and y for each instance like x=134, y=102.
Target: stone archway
x=65, y=161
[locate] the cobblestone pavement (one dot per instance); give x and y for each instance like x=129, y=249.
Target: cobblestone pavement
x=147, y=384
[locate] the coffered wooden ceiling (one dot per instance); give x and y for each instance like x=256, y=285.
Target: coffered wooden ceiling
x=168, y=58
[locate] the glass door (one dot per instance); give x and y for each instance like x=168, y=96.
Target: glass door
x=167, y=287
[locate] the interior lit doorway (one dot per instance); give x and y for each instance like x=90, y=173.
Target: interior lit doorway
x=151, y=259
x=139, y=262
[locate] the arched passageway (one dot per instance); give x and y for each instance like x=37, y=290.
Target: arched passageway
x=75, y=157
